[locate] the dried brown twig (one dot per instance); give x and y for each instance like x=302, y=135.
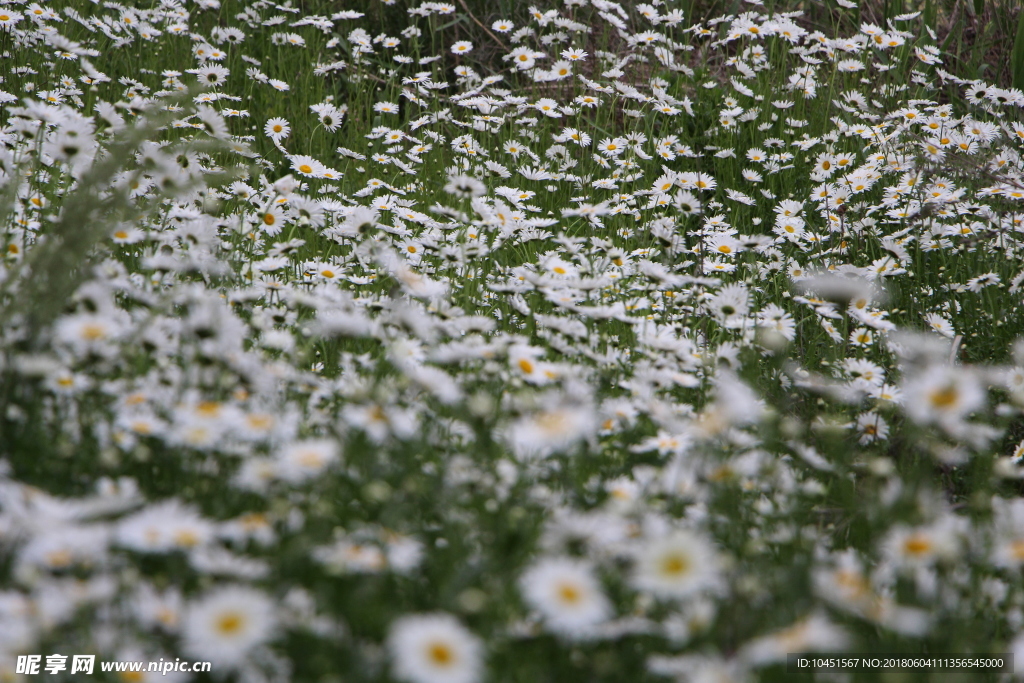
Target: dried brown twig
x=480, y=24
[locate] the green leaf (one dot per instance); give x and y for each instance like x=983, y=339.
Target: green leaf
x=929, y=13
x=459, y=19
x=893, y=8
x=1017, y=56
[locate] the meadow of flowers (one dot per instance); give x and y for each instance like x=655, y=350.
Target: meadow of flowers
x=603, y=341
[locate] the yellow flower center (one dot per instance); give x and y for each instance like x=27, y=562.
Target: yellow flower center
x=852, y=581
x=59, y=558
x=441, y=654
x=569, y=594
x=186, y=538
x=93, y=332
x=310, y=459
x=675, y=565
x=917, y=545
x=229, y=624
x=208, y=409
x=944, y=398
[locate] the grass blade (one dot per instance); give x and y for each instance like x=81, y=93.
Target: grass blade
x=1017, y=56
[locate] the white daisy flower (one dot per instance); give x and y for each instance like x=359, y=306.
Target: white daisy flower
x=226, y=624
x=676, y=566
x=434, y=648
x=303, y=460
x=567, y=594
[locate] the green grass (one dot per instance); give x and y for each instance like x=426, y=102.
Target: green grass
x=569, y=390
